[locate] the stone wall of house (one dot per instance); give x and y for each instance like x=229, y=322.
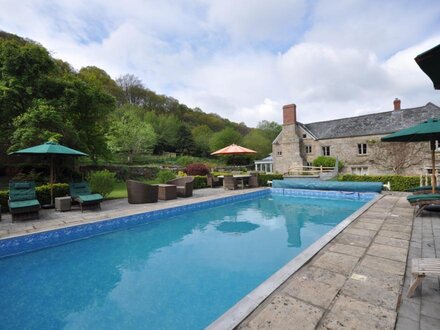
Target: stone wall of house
x=374, y=162
x=286, y=151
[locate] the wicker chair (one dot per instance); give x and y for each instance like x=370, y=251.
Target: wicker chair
x=185, y=186
x=213, y=181
x=229, y=182
x=140, y=193
x=253, y=180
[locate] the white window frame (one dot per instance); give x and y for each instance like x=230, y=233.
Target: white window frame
x=362, y=149
x=325, y=150
x=359, y=170
x=308, y=149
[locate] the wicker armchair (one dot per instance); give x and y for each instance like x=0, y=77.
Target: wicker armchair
x=184, y=185
x=139, y=192
x=229, y=182
x=213, y=181
x=253, y=180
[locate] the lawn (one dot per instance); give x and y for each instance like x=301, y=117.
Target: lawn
x=120, y=190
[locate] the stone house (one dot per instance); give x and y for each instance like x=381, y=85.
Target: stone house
x=355, y=141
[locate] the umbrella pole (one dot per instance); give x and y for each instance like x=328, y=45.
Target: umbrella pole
x=433, y=179
x=51, y=180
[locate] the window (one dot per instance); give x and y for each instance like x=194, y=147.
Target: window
x=362, y=148
x=326, y=151
x=308, y=149
x=359, y=170
x=304, y=136
x=279, y=153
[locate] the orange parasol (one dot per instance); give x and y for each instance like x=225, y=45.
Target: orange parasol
x=234, y=149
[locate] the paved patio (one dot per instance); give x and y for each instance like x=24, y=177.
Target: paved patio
x=356, y=281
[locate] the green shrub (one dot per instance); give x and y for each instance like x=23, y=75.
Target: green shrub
x=326, y=161
x=398, y=182
x=59, y=190
x=165, y=175
x=102, y=182
x=263, y=178
x=200, y=182
x=4, y=196
x=185, y=160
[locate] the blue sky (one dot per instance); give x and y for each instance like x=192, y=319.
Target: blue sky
x=245, y=59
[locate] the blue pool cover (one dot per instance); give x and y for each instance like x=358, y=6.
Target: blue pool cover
x=328, y=185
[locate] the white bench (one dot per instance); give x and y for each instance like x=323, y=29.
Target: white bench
x=422, y=267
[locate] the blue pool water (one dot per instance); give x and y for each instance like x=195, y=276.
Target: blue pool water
x=177, y=273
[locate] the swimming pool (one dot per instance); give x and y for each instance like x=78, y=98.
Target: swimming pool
x=181, y=272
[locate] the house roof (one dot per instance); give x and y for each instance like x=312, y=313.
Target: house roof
x=372, y=124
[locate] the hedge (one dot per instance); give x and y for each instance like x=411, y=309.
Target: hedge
x=43, y=194
x=398, y=182
x=200, y=181
x=263, y=178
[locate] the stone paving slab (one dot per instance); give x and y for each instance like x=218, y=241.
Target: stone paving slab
x=350, y=313
x=359, y=276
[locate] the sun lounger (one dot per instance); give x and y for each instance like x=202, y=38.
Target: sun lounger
x=81, y=193
x=422, y=267
x=423, y=190
x=423, y=200
x=23, y=203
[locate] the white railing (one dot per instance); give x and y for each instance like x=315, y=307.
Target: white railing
x=308, y=170
x=425, y=179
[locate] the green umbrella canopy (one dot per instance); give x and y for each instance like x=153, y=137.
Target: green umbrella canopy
x=53, y=149
x=50, y=148
x=429, y=62
x=427, y=131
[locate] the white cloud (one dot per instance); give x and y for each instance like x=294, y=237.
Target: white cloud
x=244, y=60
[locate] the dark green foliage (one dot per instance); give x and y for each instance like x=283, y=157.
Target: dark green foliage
x=197, y=169
x=224, y=138
x=263, y=178
x=200, y=182
x=4, y=196
x=102, y=182
x=43, y=194
x=165, y=175
x=326, y=161
x=398, y=182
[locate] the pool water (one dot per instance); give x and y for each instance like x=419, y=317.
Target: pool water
x=177, y=273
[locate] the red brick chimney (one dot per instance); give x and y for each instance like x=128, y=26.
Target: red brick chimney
x=396, y=104
x=289, y=114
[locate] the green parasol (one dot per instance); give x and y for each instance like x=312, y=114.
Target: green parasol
x=50, y=148
x=427, y=131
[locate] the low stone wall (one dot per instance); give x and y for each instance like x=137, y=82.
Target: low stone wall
x=124, y=172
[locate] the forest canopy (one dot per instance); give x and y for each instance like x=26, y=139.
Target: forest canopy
x=43, y=98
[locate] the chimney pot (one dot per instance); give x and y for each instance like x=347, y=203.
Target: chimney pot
x=289, y=114
x=397, y=104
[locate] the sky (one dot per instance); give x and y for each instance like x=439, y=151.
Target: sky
x=245, y=59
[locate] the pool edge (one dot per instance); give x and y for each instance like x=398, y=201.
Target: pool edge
x=243, y=308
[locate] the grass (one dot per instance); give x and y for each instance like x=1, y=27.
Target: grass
x=120, y=190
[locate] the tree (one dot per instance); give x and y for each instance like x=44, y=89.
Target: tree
x=100, y=79
x=201, y=135
x=185, y=143
x=224, y=138
x=270, y=128
x=131, y=137
x=24, y=68
x=133, y=92
x=258, y=141
x=396, y=156
x=39, y=124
